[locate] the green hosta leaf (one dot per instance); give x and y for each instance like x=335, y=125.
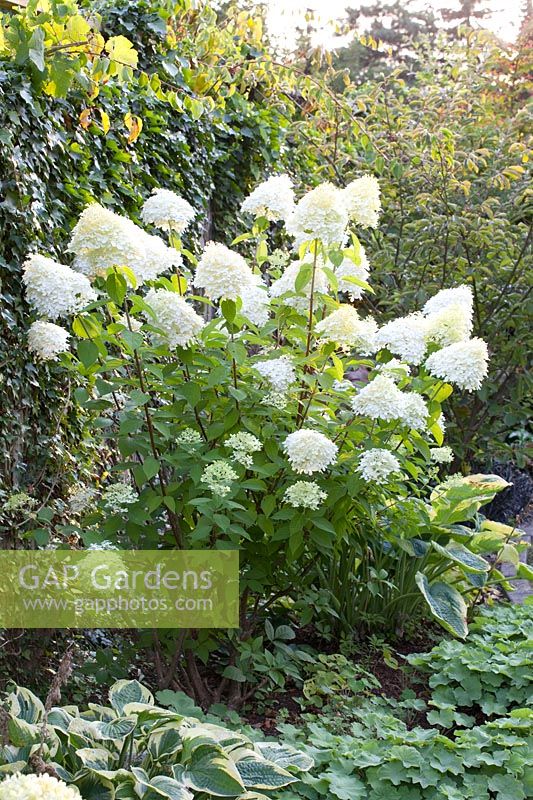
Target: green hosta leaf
x=210, y=770
x=461, y=555
x=123, y=692
x=94, y=757
x=259, y=774
x=284, y=756
x=116, y=728
x=446, y=605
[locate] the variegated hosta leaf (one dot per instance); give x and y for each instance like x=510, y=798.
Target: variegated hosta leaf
x=210, y=770
x=164, y=743
x=94, y=757
x=25, y=705
x=116, y=728
x=124, y=692
x=446, y=605
x=162, y=786
x=92, y=787
x=59, y=718
x=462, y=556
x=257, y=773
x=284, y=756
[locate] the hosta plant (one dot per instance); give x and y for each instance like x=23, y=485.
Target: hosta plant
x=247, y=403
x=134, y=749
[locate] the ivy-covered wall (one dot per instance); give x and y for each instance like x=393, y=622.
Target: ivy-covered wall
x=52, y=163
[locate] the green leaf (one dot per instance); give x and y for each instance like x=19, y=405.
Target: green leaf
x=303, y=277
x=116, y=287
x=229, y=310
x=87, y=352
x=121, y=50
x=36, y=51
x=345, y=787
x=151, y=467
x=446, y=605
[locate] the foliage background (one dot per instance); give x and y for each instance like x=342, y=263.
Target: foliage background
x=57, y=154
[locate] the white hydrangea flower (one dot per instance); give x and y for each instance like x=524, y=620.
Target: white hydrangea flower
x=450, y=324
x=167, y=211
x=47, y=340
x=415, y=411
x=441, y=422
x=223, y=273
x=462, y=363
x=279, y=372
x=55, y=290
x=156, y=258
x=118, y=496
x=347, y=329
x=362, y=198
x=287, y=283
x=178, y=321
x=218, y=477
x=379, y=399
x=276, y=399
x=320, y=214
x=79, y=498
x=394, y=369
x=309, y=451
x=405, y=337
x=243, y=445
x=304, y=494
x=459, y=295
x=135, y=324
x=255, y=303
x=441, y=455
x=272, y=199
x=102, y=239
x=36, y=787
x=188, y=438
x=348, y=269
x=377, y=464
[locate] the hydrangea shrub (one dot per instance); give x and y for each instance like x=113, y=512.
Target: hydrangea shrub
x=248, y=403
